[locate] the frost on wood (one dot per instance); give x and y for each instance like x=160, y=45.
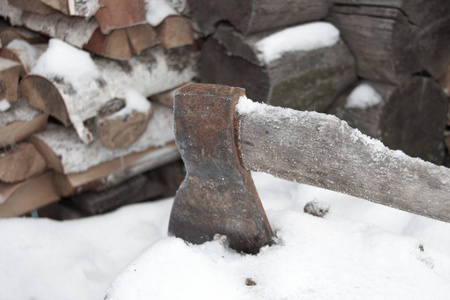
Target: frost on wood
x=298, y=38
x=363, y=96
x=157, y=11
x=19, y=111
x=77, y=157
x=75, y=31
x=323, y=151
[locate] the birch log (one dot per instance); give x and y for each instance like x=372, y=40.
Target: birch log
x=9, y=79
x=34, y=6
x=175, y=31
x=116, y=14
x=156, y=70
x=392, y=40
x=19, y=198
x=24, y=53
x=410, y=117
x=250, y=16
x=19, y=122
x=80, y=8
x=323, y=151
x=10, y=34
x=20, y=162
x=305, y=80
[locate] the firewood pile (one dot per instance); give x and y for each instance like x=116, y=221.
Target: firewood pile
x=376, y=64
x=86, y=103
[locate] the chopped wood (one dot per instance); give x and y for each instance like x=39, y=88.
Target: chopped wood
x=66, y=153
x=402, y=120
x=113, y=172
x=141, y=37
x=299, y=79
x=9, y=79
x=156, y=70
x=80, y=8
x=60, y=5
x=19, y=122
x=116, y=14
x=113, y=45
x=9, y=34
x=175, y=31
x=323, y=151
x=20, y=163
x=19, y=198
x=24, y=53
x=75, y=31
x=392, y=41
x=250, y=16
x=119, y=132
x=34, y=6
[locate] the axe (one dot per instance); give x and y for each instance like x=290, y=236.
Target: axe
x=222, y=136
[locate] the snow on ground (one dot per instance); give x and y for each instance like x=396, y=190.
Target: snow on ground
x=359, y=250
x=304, y=37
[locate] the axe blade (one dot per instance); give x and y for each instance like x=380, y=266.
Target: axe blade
x=218, y=195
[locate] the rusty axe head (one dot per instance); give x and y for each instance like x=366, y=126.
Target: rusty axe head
x=218, y=195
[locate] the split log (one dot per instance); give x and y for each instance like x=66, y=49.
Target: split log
x=113, y=45
x=141, y=37
x=34, y=6
x=410, y=117
x=250, y=16
x=175, y=31
x=80, y=8
x=9, y=79
x=66, y=153
x=298, y=79
x=19, y=122
x=20, y=162
x=116, y=14
x=19, y=198
x=10, y=34
x=24, y=53
x=393, y=40
x=119, y=132
x=75, y=31
x=154, y=71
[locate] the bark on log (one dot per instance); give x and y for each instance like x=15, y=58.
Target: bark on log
x=250, y=16
x=154, y=71
x=116, y=14
x=301, y=79
x=20, y=163
x=9, y=79
x=323, y=151
x=10, y=34
x=23, y=53
x=66, y=154
x=118, y=132
x=75, y=31
x=392, y=40
x=19, y=198
x=34, y=6
x=175, y=31
x=19, y=122
x=80, y=8
x=411, y=117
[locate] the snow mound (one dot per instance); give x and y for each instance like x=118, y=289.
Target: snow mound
x=363, y=96
x=4, y=105
x=305, y=37
x=67, y=63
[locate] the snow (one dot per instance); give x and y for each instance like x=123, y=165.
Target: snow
x=157, y=11
x=359, y=250
x=4, y=105
x=67, y=63
x=83, y=8
x=19, y=111
x=134, y=101
x=305, y=37
x=363, y=96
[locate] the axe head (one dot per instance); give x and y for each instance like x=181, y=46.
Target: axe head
x=218, y=195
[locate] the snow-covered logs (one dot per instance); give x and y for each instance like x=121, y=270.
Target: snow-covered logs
x=303, y=67
x=398, y=115
x=250, y=16
x=24, y=53
x=392, y=40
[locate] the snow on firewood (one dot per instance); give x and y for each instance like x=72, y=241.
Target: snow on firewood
x=305, y=37
x=134, y=101
x=363, y=96
x=4, y=105
x=27, y=53
x=157, y=11
x=64, y=62
x=19, y=111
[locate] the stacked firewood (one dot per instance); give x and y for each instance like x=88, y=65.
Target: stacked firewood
x=85, y=104
x=372, y=63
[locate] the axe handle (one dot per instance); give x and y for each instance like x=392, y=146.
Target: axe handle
x=323, y=151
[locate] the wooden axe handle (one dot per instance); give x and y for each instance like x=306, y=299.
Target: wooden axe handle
x=323, y=151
